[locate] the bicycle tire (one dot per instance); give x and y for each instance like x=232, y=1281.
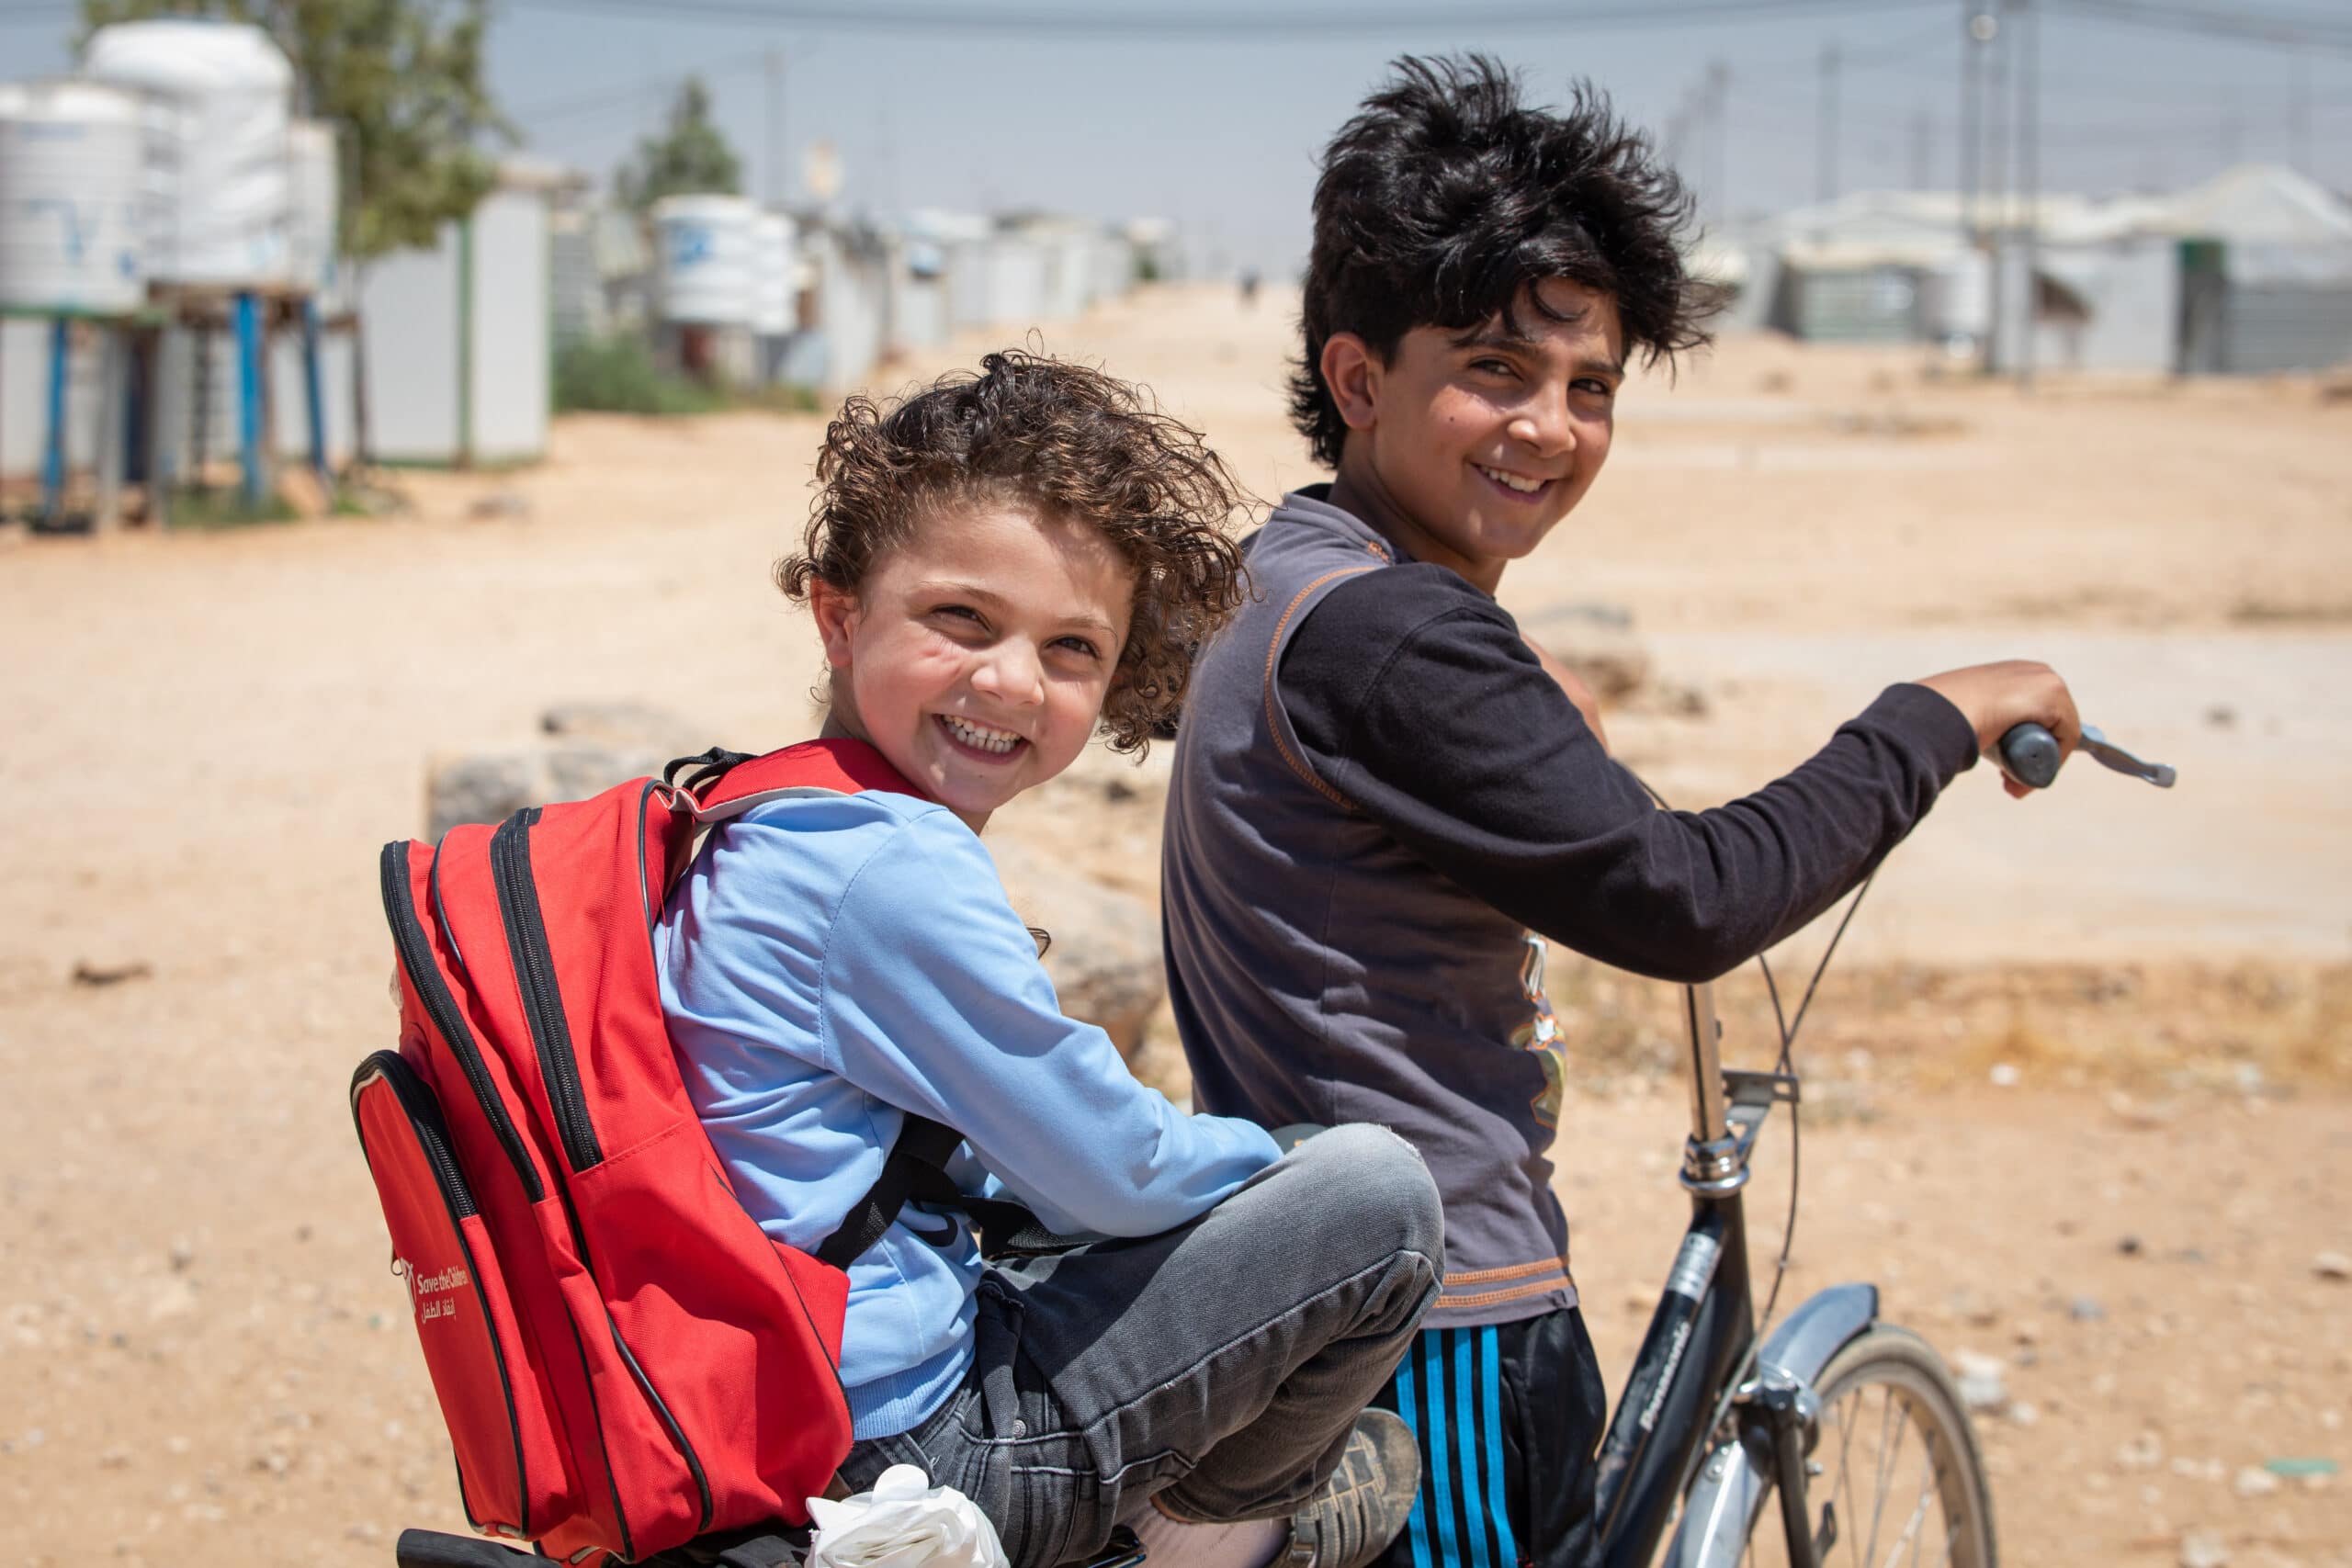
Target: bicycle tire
x=1887, y=1395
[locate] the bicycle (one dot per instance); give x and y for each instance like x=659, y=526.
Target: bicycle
x=1719, y=1422
x=1717, y=1416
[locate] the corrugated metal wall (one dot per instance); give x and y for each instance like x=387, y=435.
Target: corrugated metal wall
x=2268, y=327
x=1878, y=304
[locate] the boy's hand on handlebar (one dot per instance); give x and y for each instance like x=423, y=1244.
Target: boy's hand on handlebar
x=1994, y=697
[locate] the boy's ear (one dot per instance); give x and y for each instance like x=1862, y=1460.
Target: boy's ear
x=1352, y=372
x=835, y=612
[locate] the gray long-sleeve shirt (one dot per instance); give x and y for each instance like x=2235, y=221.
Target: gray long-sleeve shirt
x=1381, y=803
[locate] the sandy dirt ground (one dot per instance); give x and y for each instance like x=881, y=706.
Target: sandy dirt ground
x=2077, y=1094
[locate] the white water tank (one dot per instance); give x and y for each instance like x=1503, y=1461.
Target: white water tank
x=310, y=219
x=775, y=282
x=70, y=172
x=708, y=256
x=227, y=89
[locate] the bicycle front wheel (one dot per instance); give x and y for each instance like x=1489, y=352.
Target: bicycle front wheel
x=1896, y=1466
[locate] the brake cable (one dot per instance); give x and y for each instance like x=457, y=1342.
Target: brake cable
x=1785, y=1065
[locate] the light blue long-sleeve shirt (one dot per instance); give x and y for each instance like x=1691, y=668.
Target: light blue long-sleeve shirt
x=830, y=962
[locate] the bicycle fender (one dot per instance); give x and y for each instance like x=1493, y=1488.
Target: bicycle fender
x=1734, y=1481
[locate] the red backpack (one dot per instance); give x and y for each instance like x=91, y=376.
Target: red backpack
x=624, y=1359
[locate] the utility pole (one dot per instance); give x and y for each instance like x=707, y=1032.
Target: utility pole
x=776, y=126
x=1968, y=167
x=1828, y=130
x=2299, y=115
x=2029, y=174
x=1996, y=171
x=1717, y=114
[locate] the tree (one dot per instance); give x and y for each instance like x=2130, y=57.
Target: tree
x=689, y=157
x=402, y=82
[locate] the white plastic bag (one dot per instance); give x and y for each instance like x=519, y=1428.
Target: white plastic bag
x=903, y=1522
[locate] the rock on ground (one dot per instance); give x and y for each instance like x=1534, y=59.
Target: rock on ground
x=589, y=746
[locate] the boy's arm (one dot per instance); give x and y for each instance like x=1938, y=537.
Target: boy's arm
x=1415, y=697
x=1579, y=695
x=934, y=1001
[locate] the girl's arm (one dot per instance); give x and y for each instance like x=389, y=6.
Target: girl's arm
x=933, y=1001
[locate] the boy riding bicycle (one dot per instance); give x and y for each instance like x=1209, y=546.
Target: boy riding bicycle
x=1385, y=799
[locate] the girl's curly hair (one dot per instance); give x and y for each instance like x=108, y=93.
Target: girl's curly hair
x=1065, y=441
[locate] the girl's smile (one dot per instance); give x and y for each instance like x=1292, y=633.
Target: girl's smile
x=976, y=656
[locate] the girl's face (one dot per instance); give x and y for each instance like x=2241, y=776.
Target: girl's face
x=976, y=656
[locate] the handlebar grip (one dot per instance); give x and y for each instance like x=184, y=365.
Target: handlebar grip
x=2030, y=754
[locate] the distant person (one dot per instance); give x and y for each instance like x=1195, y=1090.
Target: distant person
x=999, y=568
x=1248, y=287
x=1385, y=799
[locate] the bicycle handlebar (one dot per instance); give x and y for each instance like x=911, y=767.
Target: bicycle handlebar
x=2031, y=754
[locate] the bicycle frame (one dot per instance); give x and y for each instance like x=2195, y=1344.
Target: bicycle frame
x=1693, y=1365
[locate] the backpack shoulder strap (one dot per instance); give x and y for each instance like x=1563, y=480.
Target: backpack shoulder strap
x=728, y=784
x=915, y=1171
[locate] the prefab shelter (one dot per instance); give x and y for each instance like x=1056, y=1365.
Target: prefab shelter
x=849, y=284
x=918, y=304
x=456, y=337
x=2267, y=257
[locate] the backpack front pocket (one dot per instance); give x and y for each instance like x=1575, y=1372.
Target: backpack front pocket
x=509, y=1475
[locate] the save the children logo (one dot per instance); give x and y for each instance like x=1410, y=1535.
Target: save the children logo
x=434, y=1296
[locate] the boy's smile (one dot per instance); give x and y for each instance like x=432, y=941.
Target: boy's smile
x=976, y=656
x=1466, y=447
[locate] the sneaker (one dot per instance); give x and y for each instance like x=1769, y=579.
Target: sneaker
x=1360, y=1509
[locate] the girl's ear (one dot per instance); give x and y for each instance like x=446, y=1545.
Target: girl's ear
x=1352, y=371
x=835, y=612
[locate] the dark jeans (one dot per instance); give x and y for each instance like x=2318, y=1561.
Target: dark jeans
x=1220, y=1364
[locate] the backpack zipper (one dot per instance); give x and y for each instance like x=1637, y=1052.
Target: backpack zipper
x=432, y=1134
x=670, y=1422
x=527, y=939
x=416, y=959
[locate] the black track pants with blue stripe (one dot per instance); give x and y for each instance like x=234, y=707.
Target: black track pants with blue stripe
x=1509, y=1418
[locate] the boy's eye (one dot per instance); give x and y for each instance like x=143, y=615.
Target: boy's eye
x=957, y=613
x=1596, y=386
x=1494, y=367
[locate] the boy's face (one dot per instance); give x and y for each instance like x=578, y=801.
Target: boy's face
x=976, y=656
x=1467, y=447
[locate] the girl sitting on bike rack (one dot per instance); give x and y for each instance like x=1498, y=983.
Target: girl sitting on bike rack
x=998, y=568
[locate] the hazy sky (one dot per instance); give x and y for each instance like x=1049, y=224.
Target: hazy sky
x=1219, y=130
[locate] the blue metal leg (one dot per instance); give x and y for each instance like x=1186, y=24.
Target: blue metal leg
x=312, y=387
x=249, y=397
x=52, y=456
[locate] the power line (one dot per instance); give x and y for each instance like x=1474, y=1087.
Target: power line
x=2247, y=27
x=624, y=94
x=1613, y=15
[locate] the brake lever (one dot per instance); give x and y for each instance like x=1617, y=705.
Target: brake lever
x=2109, y=754
x=2030, y=754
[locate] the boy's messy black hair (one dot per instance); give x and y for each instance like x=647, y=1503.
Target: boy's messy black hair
x=1446, y=197
x=1065, y=442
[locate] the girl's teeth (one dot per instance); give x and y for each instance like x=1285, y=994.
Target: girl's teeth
x=998, y=740
x=1511, y=481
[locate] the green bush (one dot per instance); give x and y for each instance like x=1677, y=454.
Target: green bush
x=224, y=507
x=617, y=375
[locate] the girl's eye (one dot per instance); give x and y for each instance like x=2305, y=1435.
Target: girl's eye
x=958, y=613
x=1080, y=645
x=1597, y=388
